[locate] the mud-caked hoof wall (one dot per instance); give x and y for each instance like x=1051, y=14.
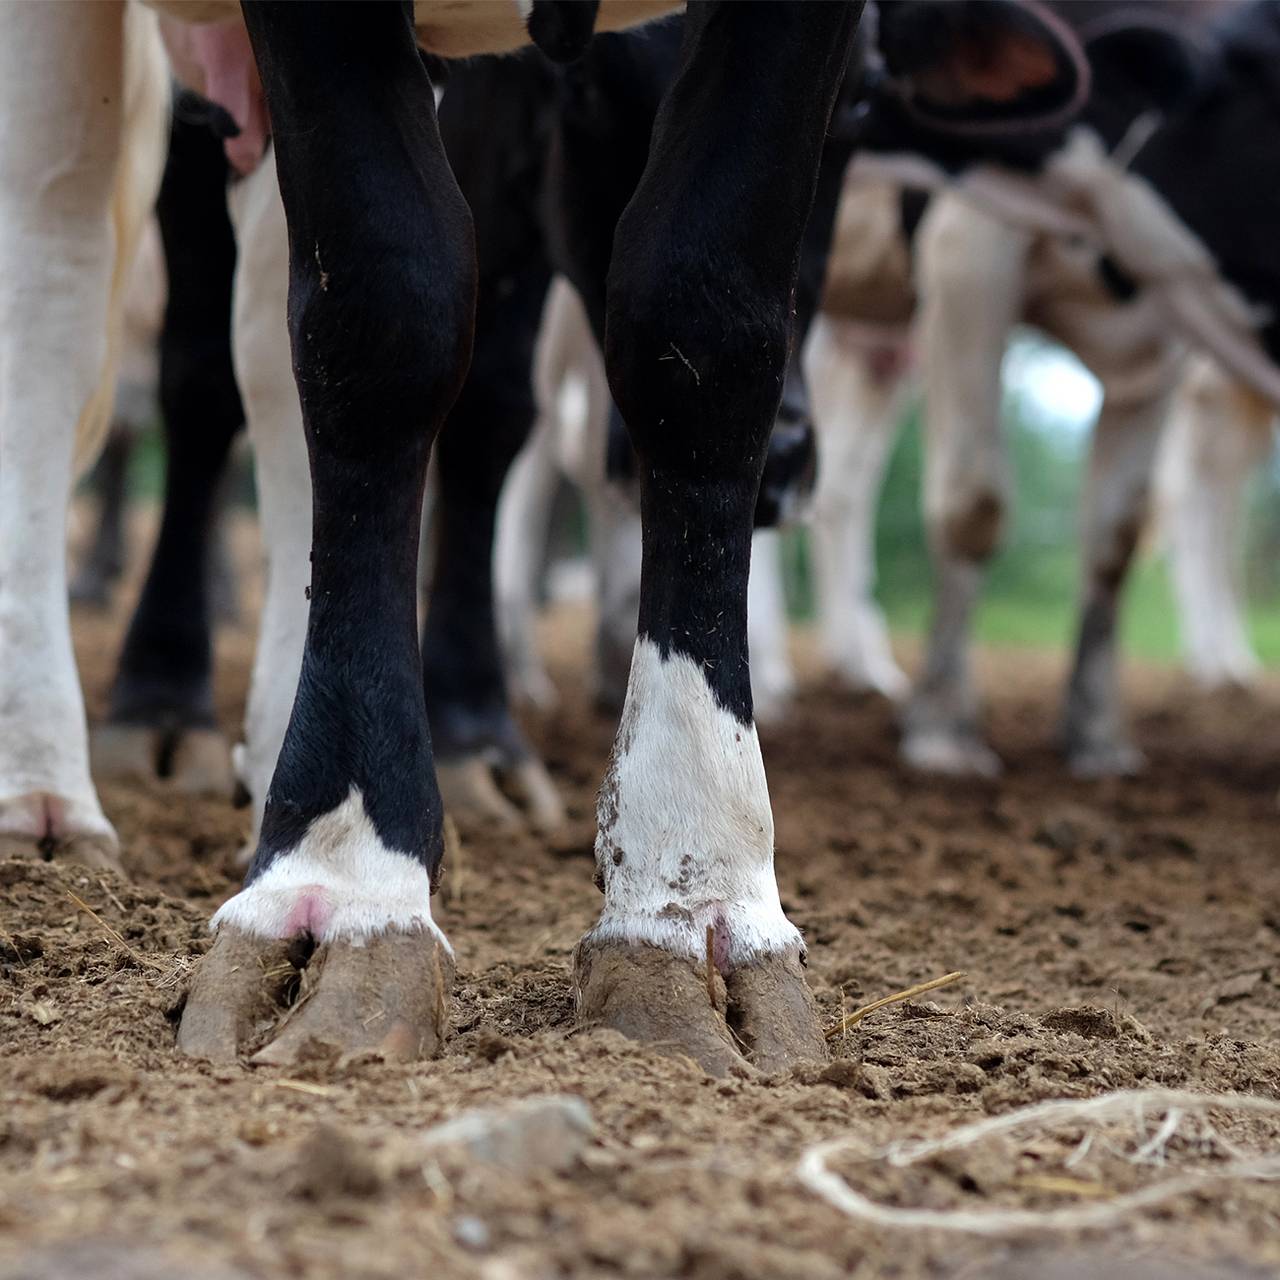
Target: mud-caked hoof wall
x=388, y=995
x=762, y=1017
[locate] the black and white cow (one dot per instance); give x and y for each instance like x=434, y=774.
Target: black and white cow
x=381, y=315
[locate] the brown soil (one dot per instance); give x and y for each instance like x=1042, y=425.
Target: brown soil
x=1113, y=935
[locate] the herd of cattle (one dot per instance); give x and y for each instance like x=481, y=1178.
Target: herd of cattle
x=696, y=263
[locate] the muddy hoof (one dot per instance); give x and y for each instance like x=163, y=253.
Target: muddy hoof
x=660, y=999
x=472, y=798
x=773, y=1014
x=388, y=996
x=200, y=763
x=97, y=852
x=122, y=752
x=764, y=1018
x=195, y=760
x=536, y=794
x=952, y=755
x=479, y=795
x=236, y=994
x=1105, y=760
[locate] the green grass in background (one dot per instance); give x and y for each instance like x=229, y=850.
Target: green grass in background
x=1032, y=584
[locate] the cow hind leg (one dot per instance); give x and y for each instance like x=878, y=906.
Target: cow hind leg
x=1121, y=462
x=970, y=276
x=161, y=718
x=260, y=345
x=381, y=304
x=488, y=772
x=692, y=952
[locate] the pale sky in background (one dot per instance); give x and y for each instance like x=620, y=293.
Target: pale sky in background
x=1057, y=390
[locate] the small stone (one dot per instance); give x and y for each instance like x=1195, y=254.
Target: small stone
x=44, y=1014
x=1062, y=833
x=539, y=1133
x=471, y=1233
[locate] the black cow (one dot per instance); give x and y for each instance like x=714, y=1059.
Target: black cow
x=160, y=716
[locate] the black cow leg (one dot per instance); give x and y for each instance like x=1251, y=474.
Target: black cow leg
x=103, y=563
x=160, y=718
x=481, y=755
x=692, y=949
x=382, y=290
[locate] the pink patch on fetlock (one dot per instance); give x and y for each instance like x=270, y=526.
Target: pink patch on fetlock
x=721, y=944
x=310, y=914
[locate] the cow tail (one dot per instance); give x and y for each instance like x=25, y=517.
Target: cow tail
x=143, y=146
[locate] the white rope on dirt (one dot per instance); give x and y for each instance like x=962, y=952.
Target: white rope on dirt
x=814, y=1173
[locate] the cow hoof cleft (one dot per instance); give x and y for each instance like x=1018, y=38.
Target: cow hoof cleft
x=388, y=996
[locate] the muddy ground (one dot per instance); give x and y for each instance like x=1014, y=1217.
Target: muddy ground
x=1113, y=935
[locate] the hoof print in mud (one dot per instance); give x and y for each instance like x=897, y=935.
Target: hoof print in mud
x=762, y=1017
x=282, y=1001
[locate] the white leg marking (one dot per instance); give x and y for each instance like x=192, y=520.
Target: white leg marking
x=339, y=882
x=686, y=831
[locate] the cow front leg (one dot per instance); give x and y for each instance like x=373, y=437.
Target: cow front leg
x=692, y=951
x=1219, y=432
x=381, y=306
